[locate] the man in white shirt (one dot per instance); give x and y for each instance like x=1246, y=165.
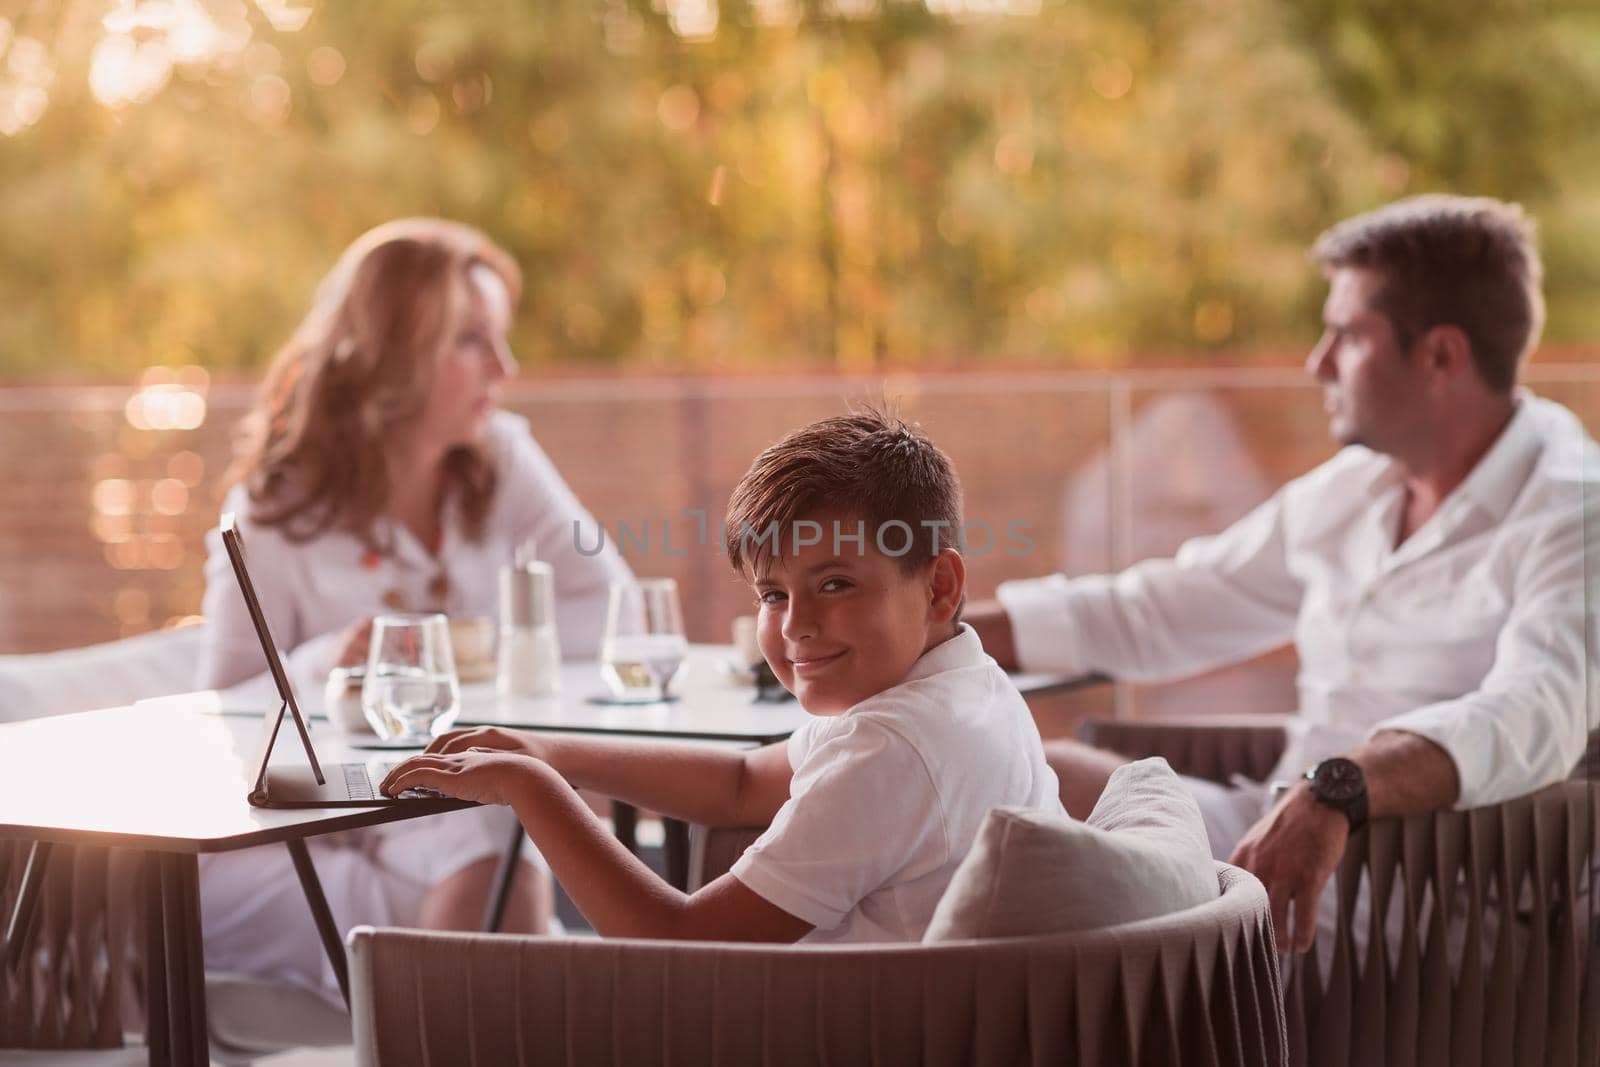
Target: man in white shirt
x=1435, y=575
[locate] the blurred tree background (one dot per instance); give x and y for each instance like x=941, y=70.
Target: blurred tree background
x=695, y=185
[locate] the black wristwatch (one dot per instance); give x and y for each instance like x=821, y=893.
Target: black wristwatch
x=1340, y=784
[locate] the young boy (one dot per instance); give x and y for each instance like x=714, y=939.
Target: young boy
x=846, y=529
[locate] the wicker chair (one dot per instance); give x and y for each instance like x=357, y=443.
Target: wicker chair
x=1461, y=985
x=68, y=981
x=1196, y=987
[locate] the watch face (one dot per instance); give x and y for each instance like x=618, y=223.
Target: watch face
x=1338, y=780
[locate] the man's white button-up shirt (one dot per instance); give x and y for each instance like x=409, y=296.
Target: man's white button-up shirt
x=1477, y=632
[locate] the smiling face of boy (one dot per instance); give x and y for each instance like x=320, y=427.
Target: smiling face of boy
x=838, y=627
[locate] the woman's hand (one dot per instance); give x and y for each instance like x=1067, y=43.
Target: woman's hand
x=481, y=775
x=354, y=645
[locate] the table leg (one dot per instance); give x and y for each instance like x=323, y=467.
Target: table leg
x=157, y=1034
x=503, y=875
x=625, y=824
x=23, y=914
x=675, y=847
x=175, y=966
x=675, y=843
x=322, y=915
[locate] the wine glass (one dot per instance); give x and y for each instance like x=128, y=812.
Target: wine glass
x=644, y=643
x=411, y=693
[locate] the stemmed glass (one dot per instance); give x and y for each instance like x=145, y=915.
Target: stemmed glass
x=644, y=643
x=411, y=693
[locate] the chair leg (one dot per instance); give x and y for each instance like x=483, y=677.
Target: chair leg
x=26, y=910
x=322, y=915
x=495, y=913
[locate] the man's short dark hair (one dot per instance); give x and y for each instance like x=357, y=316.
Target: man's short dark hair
x=1470, y=262
x=868, y=466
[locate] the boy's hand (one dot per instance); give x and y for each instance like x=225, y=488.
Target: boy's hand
x=489, y=739
x=483, y=776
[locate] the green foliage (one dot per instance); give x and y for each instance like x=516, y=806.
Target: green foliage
x=1093, y=182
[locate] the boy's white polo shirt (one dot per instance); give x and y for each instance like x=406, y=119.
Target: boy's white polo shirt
x=887, y=798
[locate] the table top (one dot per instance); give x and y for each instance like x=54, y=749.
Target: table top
x=713, y=704
x=172, y=773
x=165, y=774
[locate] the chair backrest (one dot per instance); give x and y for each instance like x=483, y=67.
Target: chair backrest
x=69, y=984
x=1480, y=939
x=99, y=676
x=1198, y=987
x=1481, y=942
x=1240, y=744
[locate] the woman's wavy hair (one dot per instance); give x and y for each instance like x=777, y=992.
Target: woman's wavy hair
x=311, y=453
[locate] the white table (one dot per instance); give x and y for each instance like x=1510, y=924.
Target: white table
x=169, y=782
x=710, y=704
x=168, y=779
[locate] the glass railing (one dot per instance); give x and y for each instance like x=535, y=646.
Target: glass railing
x=109, y=491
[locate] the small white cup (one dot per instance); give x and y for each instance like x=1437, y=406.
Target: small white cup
x=472, y=640
x=745, y=646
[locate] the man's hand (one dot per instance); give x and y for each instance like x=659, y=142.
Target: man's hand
x=1294, y=850
x=480, y=775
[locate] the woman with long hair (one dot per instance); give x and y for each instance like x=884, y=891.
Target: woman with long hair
x=376, y=473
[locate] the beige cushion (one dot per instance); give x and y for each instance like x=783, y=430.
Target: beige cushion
x=1142, y=853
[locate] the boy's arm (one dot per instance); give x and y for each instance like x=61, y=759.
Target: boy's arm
x=696, y=783
x=617, y=894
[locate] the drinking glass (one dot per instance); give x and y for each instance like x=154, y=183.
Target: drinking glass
x=411, y=693
x=644, y=644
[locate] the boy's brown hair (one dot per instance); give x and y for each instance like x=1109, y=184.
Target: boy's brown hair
x=1470, y=262
x=868, y=465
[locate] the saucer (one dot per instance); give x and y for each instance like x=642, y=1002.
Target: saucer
x=611, y=701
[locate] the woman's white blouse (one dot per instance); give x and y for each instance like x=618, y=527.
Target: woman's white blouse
x=311, y=591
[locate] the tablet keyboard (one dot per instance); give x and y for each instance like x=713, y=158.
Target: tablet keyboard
x=359, y=784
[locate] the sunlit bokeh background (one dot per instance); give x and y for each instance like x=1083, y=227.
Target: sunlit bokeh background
x=1046, y=226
